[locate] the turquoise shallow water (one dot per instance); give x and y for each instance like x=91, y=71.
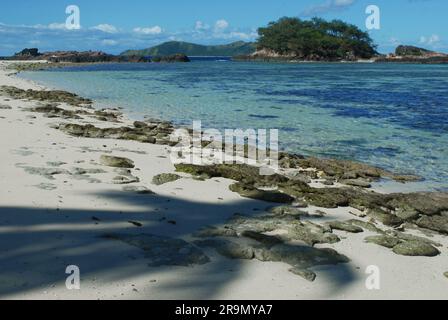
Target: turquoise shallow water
x=390, y=115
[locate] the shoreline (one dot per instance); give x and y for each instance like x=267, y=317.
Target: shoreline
x=383, y=185
x=78, y=203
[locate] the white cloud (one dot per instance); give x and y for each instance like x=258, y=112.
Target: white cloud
x=221, y=25
x=57, y=26
x=51, y=26
x=149, y=31
x=56, y=36
x=201, y=26
x=236, y=35
x=430, y=41
x=107, y=28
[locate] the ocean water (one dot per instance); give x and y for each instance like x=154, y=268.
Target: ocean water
x=394, y=116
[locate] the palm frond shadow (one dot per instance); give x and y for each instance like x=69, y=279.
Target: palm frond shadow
x=36, y=245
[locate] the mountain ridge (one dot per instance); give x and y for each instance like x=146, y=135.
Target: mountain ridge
x=193, y=49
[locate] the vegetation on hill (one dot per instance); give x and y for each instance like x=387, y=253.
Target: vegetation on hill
x=316, y=39
x=412, y=54
x=191, y=49
x=411, y=51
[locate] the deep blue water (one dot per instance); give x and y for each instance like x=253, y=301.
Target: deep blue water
x=390, y=115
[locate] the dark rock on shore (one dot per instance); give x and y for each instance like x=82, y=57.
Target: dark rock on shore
x=435, y=223
x=138, y=190
x=301, y=258
x=365, y=225
x=406, y=244
x=389, y=209
x=163, y=251
x=52, y=111
x=242, y=173
x=343, y=226
x=356, y=183
x=47, y=96
x=125, y=175
x=342, y=169
x=248, y=191
x=268, y=241
x=288, y=211
x=165, y=178
x=416, y=249
x=386, y=218
x=384, y=241
x=304, y=273
x=116, y=162
x=152, y=133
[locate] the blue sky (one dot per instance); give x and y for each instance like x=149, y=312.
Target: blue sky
x=114, y=26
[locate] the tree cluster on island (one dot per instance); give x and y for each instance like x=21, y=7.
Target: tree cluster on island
x=315, y=40
x=296, y=40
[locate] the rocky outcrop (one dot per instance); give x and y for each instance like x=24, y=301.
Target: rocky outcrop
x=52, y=111
x=46, y=96
x=28, y=53
x=265, y=55
x=164, y=178
x=406, y=244
x=301, y=258
x=412, y=51
x=125, y=175
x=412, y=54
x=426, y=210
x=245, y=237
x=268, y=55
x=75, y=57
x=416, y=249
x=355, y=173
x=171, y=58
x=437, y=223
x=163, y=251
x=154, y=132
x=116, y=162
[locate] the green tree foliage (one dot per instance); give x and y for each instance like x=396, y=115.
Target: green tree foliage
x=316, y=39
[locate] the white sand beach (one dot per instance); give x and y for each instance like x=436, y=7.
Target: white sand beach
x=53, y=218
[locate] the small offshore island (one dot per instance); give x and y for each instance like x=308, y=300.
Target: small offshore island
x=140, y=226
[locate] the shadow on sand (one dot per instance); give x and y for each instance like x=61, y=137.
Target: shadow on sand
x=36, y=245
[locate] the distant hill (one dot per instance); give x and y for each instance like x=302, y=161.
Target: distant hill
x=412, y=51
x=412, y=54
x=191, y=49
